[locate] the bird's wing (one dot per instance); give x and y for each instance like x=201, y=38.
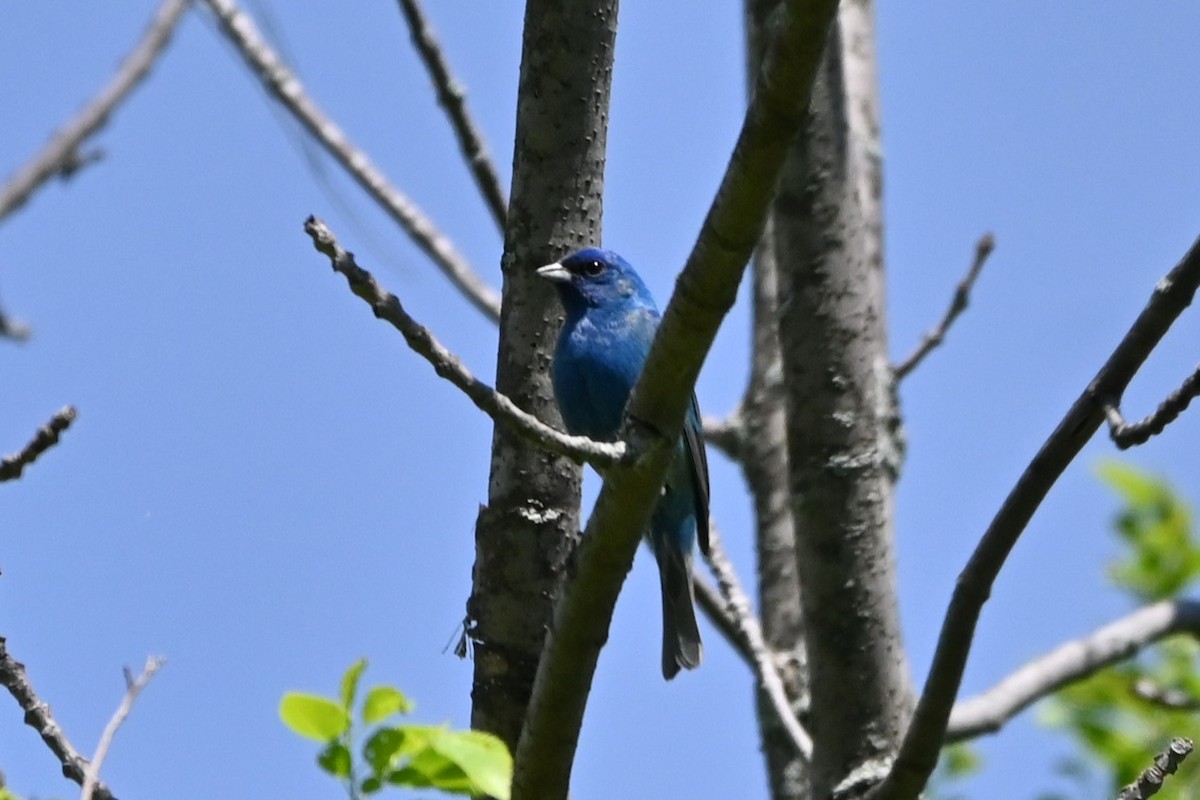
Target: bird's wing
x=698, y=463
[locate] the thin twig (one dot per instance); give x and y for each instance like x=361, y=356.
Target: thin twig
x=750, y=632
x=133, y=687
x=37, y=716
x=282, y=84
x=1165, y=763
x=1164, y=697
x=727, y=435
x=453, y=99
x=13, y=329
x=62, y=155
x=46, y=437
x=958, y=304
x=497, y=406
x=1072, y=661
x=1126, y=435
x=922, y=742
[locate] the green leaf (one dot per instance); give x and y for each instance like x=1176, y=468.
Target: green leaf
x=1135, y=487
x=381, y=748
x=313, y=716
x=371, y=785
x=960, y=760
x=335, y=759
x=483, y=757
x=350, y=683
x=382, y=702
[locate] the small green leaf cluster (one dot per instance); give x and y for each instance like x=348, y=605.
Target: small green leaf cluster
x=414, y=756
x=1122, y=716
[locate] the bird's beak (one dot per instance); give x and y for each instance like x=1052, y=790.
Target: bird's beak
x=555, y=272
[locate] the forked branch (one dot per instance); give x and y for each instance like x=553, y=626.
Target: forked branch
x=1126, y=434
x=388, y=308
x=923, y=740
x=37, y=716
x=62, y=155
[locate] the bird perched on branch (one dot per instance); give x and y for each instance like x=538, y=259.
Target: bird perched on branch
x=610, y=321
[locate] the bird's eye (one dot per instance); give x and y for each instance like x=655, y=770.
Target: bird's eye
x=593, y=268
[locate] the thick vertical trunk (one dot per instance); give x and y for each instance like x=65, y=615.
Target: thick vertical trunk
x=530, y=525
x=842, y=422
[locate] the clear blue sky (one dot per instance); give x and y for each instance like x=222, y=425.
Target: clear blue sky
x=265, y=484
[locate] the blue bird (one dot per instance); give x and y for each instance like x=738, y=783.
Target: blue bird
x=610, y=321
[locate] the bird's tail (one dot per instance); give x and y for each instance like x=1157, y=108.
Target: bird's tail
x=681, y=647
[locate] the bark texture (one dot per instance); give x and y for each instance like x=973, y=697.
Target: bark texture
x=842, y=422
x=530, y=524
x=764, y=464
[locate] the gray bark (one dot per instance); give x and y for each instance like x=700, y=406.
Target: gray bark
x=842, y=420
x=764, y=464
x=530, y=525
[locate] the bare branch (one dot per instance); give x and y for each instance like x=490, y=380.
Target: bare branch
x=958, y=304
x=133, y=687
x=919, y=751
x=13, y=328
x=282, y=84
x=988, y=711
x=1126, y=435
x=453, y=99
x=46, y=437
x=37, y=716
x=387, y=307
x=727, y=435
x=1165, y=763
x=62, y=155
x=1170, y=699
x=750, y=633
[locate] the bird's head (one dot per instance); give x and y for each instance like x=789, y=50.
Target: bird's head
x=593, y=277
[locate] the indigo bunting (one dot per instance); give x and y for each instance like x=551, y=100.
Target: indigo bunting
x=610, y=321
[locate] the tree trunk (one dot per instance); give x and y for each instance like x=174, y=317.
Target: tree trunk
x=842, y=421
x=530, y=525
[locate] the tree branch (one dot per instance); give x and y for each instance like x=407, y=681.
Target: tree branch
x=13, y=328
x=1165, y=763
x=501, y=409
x=282, y=84
x=453, y=99
x=919, y=751
x=727, y=435
x=1075, y=660
x=37, y=716
x=62, y=155
x=958, y=304
x=46, y=437
x=133, y=687
x=1126, y=435
x=704, y=293
x=750, y=633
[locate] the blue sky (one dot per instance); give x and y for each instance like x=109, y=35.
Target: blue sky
x=265, y=484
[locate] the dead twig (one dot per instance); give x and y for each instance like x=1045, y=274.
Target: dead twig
x=133, y=687
x=1152, y=779
x=46, y=437
x=452, y=98
x=1126, y=435
x=958, y=304
x=500, y=408
x=62, y=155
x=282, y=84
